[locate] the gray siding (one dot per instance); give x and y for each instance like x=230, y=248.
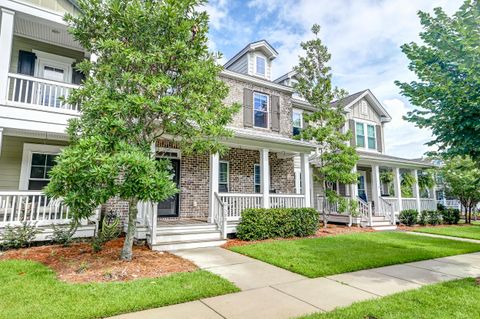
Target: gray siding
x=241, y=65
x=371, y=115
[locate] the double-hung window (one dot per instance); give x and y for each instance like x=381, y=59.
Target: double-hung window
x=297, y=122
x=366, y=135
x=39, y=170
x=256, y=178
x=260, y=110
x=260, y=66
x=223, y=177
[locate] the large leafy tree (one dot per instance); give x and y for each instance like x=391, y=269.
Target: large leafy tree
x=447, y=92
x=154, y=77
x=462, y=180
x=335, y=155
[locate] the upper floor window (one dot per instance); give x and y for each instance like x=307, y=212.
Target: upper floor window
x=223, y=176
x=297, y=122
x=260, y=65
x=260, y=110
x=368, y=140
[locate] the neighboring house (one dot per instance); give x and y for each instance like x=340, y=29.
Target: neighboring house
x=377, y=197
x=37, y=58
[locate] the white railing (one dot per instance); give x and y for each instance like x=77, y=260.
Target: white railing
x=219, y=215
x=450, y=203
x=17, y=207
x=365, y=210
x=392, y=201
x=387, y=210
x=409, y=203
x=330, y=208
x=147, y=212
x=287, y=201
x=236, y=203
x=30, y=91
x=428, y=204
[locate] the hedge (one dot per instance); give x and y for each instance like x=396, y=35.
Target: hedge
x=408, y=217
x=262, y=223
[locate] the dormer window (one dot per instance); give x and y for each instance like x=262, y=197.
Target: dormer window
x=260, y=65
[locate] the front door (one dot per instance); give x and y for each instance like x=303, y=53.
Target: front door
x=362, y=185
x=170, y=207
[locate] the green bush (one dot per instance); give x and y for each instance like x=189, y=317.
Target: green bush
x=18, y=236
x=450, y=216
x=434, y=217
x=257, y=224
x=408, y=217
x=423, y=218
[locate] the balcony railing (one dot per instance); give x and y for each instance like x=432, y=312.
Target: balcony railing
x=30, y=91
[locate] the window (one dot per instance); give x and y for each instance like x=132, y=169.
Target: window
x=363, y=107
x=223, y=177
x=372, y=139
x=37, y=162
x=360, y=135
x=260, y=110
x=260, y=65
x=297, y=121
x=256, y=178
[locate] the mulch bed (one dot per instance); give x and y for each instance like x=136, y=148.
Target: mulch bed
x=79, y=264
x=331, y=230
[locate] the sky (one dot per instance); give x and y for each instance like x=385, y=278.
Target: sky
x=363, y=37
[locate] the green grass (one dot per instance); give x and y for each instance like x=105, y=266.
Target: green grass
x=316, y=257
x=472, y=232
x=31, y=290
x=453, y=299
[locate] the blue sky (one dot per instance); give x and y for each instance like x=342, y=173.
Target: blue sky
x=363, y=36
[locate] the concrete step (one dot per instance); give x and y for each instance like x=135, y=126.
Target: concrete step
x=185, y=228
x=378, y=218
x=166, y=237
x=385, y=228
x=382, y=223
x=187, y=245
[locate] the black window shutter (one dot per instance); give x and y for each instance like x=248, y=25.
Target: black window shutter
x=378, y=130
x=26, y=63
x=77, y=76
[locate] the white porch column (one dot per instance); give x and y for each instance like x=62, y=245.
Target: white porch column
x=416, y=189
x=265, y=176
x=376, y=192
x=213, y=183
x=6, y=37
x=354, y=186
x=306, y=180
x=397, y=180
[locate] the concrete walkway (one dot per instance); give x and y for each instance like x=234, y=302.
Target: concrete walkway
x=468, y=240
x=272, y=292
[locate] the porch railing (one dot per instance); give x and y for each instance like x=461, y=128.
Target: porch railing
x=387, y=210
x=31, y=91
x=450, y=203
x=236, y=203
x=409, y=203
x=428, y=204
x=147, y=212
x=365, y=210
x=393, y=202
x=219, y=215
x=287, y=201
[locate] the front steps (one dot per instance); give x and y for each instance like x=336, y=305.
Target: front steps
x=380, y=223
x=187, y=236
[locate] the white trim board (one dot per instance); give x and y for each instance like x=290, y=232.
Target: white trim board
x=28, y=150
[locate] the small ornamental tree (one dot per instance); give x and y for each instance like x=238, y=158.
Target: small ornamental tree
x=462, y=180
x=335, y=155
x=154, y=77
x=446, y=94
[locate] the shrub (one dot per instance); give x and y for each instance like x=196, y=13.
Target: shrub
x=408, y=217
x=450, y=216
x=64, y=235
x=257, y=224
x=423, y=218
x=18, y=236
x=434, y=217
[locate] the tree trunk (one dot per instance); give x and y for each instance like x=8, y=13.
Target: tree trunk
x=127, y=252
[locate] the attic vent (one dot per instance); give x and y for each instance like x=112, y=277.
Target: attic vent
x=363, y=107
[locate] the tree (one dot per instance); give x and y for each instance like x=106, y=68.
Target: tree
x=462, y=180
x=447, y=65
x=154, y=77
x=336, y=157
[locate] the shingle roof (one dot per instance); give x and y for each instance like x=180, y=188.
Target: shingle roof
x=349, y=99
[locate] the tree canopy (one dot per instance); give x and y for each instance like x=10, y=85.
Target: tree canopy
x=154, y=78
x=447, y=92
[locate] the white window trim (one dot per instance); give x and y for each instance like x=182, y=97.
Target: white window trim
x=57, y=61
x=28, y=150
x=301, y=117
x=363, y=107
x=177, y=152
x=254, y=183
x=266, y=112
x=228, y=174
x=365, y=137
x=255, y=56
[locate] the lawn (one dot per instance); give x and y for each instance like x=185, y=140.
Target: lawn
x=316, y=257
x=453, y=299
x=31, y=290
x=472, y=232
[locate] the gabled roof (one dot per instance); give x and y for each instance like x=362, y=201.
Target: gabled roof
x=74, y=3
x=263, y=45
x=286, y=76
x=368, y=95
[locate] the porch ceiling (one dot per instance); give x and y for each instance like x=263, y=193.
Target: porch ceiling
x=367, y=159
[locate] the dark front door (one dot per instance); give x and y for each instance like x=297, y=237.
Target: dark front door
x=169, y=207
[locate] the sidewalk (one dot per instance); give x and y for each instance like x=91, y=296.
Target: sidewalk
x=272, y=292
